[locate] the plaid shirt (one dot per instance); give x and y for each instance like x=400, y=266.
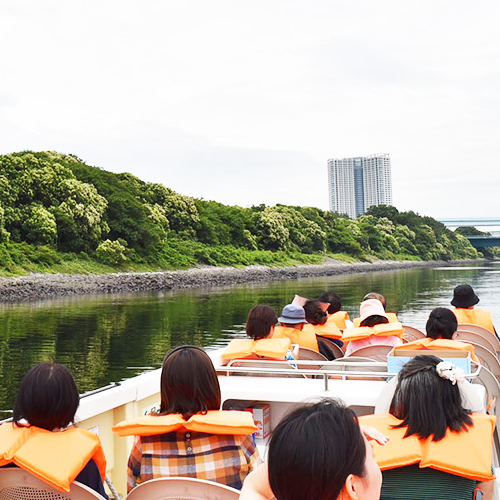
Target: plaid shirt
x=225, y=459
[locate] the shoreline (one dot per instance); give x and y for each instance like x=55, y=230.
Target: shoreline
x=36, y=287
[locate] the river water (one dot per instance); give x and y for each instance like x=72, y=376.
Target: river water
x=109, y=338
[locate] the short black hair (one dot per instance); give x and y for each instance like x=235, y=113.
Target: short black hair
x=189, y=383
x=333, y=299
x=442, y=324
x=313, y=450
x=373, y=320
x=260, y=320
x=314, y=313
x=427, y=403
x=48, y=397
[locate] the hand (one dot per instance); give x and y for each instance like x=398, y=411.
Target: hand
x=373, y=434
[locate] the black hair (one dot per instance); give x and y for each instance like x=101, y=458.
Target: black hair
x=259, y=322
x=442, y=324
x=427, y=403
x=189, y=382
x=313, y=450
x=314, y=314
x=48, y=397
x=373, y=320
x=333, y=299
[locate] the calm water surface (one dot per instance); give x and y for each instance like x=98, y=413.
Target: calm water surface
x=108, y=338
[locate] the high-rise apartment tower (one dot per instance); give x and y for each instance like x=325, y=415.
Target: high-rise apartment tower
x=355, y=184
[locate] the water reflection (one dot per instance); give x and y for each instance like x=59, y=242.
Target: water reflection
x=109, y=338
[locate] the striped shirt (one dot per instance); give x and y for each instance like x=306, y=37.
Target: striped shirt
x=414, y=483
x=225, y=459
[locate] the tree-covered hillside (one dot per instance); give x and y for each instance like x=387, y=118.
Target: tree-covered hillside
x=55, y=209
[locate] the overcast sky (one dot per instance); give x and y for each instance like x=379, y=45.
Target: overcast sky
x=243, y=102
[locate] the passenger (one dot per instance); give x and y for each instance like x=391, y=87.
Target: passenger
x=317, y=452
x=335, y=312
x=292, y=321
x=392, y=317
x=47, y=401
x=372, y=314
x=440, y=327
x=316, y=323
x=437, y=449
x=190, y=436
x=464, y=300
x=259, y=327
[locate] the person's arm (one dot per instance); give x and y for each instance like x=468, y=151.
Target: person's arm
x=134, y=464
x=251, y=453
x=256, y=485
x=487, y=489
x=372, y=434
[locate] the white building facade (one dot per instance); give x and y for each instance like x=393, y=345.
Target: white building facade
x=356, y=184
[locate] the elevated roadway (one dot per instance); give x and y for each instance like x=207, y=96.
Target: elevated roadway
x=476, y=241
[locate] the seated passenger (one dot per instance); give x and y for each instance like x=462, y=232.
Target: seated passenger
x=317, y=453
x=437, y=449
x=392, y=317
x=464, y=300
x=190, y=436
x=260, y=328
x=440, y=327
x=316, y=323
x=369, y=332
x=335, y=313
x=47, y=401
x=292, y=321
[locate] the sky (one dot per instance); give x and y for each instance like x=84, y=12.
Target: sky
x=243, y=102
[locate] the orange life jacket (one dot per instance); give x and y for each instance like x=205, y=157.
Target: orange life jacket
x=439, y=345
x=328, y=330
x=364, y=332
x=226, y=422
x=55, y=457
x=467, y=453
x=302, y=338
x=392, y=317
x=268, y=348
x=339, y=318
x=475, y=317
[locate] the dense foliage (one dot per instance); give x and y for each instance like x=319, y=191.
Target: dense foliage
x=57, y=204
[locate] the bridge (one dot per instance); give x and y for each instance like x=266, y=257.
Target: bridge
x=476, y=241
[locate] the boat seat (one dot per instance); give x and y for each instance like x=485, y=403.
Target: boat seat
x=374, y=352
x=18, y=484
x=487, y=358
x=182, y=488
x=337, y=351
x=348, y=364
x=463, y=336
x=411, y=333
x=483, y=332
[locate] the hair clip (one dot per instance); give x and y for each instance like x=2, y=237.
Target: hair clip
x=448, y=371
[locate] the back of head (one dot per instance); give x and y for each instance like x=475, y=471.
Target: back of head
x=376, y=296
x=47, y=397
x=293, y=316
x=372, y=313
x=259, y=322
x=442, y=324
x=313, y=450
x=333, y=299
x=314, y=313
x=429, y=404
x=189, y=382
x=464, y=297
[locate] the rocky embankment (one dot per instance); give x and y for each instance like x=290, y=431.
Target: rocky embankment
x=36, y=287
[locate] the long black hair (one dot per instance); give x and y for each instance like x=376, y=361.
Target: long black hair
x=313, y=450
x=314, y=313
x=427, y=403
x=189, y=382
